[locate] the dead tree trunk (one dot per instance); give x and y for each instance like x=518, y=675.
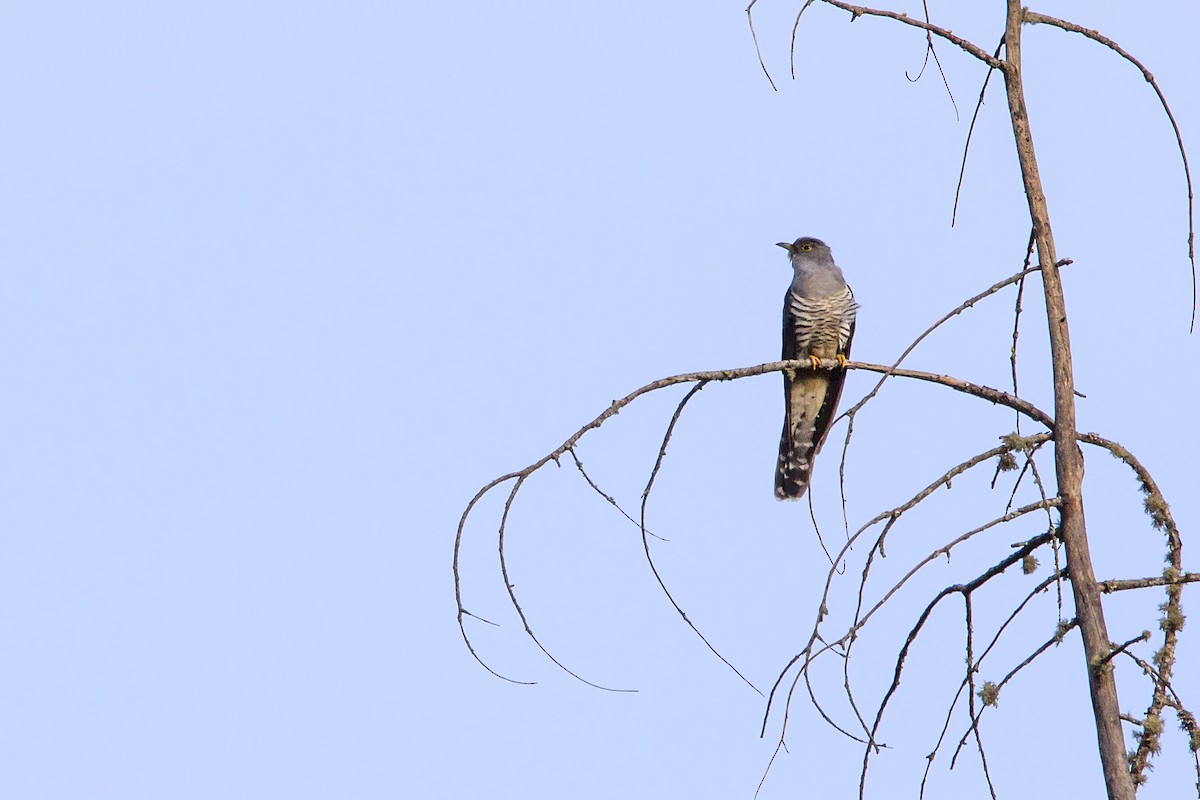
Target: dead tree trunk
x=1068, y=458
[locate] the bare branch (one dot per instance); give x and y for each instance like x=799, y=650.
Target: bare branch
x=968, y=47
x=1144, y=636
x=1108, y=587
x=992, y=395
x=968, y=303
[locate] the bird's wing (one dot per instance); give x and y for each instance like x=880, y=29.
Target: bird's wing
x=833, y=395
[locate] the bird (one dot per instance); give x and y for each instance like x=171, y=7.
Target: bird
x=818, y=323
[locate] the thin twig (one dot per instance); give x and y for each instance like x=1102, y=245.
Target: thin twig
x=962, y=170
x=812, y=514
x=971, y=667
x=757, y=49
x=662, y=453
x=795, y=26
x=1030, y=451
x=1017, y=320
x=612, y=500
x=930, y=50
x=1054, y=545
x=1144, y=636
x=1053, y=640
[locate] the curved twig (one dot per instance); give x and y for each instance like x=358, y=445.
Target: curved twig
x=992, y=395
x=930, y=50
x=795, y=27
x=462, y=611
x=757, y=49
x=1172, y=610
x=512, y=596
x=662, y=453
x=1034, y=18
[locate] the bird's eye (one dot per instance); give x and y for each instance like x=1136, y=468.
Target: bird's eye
x=806, y=247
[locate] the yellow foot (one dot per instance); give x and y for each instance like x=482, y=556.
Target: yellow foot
x=842, y=360
x=816, y=361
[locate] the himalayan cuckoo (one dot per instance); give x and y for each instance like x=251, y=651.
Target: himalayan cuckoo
x=818, y=323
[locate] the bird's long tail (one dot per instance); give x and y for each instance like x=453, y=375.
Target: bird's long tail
x=806, y=395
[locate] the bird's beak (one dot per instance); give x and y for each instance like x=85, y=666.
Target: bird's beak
x=785, y=245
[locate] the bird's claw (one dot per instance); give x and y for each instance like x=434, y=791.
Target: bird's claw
x=815, y=361
x=842, y=360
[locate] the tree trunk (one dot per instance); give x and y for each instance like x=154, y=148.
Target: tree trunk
x=1068, y=459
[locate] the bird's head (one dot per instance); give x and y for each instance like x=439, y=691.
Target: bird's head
x=806, y=246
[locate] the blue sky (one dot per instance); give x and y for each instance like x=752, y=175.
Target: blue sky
x=287, y=283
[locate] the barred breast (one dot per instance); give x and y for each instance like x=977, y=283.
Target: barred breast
x=822, y=325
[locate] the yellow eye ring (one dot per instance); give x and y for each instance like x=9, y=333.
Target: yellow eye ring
x=806, y=247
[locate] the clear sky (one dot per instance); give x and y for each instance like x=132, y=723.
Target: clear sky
x=285, y=283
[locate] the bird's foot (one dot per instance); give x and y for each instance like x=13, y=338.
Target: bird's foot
x=842, y=360
x=816, y=361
